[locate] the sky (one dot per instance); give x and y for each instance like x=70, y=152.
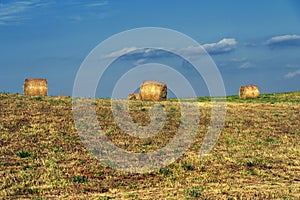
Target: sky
x=250, y=41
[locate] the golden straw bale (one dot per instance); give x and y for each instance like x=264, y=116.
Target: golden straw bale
x=249, y=91
x=152, y=90
x=35, y=87
x=133, y=96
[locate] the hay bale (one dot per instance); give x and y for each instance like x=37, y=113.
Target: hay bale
x=35, y=86
x=134, y=96
x=152, y=90
x=249, y=91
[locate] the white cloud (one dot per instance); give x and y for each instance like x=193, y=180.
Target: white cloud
x=14, y=12
x=192, y=51
x=283, y=40
x=225, y=45
x=97, y=4
x=119, y=53
x=85, y=3
x=11, y=12
x=140, y=61
x=246, y=65
x=137, y=53
x=292, y=74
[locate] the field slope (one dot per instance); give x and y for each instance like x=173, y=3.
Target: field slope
x=256, y=157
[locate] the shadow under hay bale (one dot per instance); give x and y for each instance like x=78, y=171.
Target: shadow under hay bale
x=35, y=87
x=249, y=91
x=154, y=91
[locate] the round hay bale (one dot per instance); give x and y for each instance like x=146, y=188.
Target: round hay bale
x=134, y=96
x=249, y=91
x=36, y=87
x=152, y=90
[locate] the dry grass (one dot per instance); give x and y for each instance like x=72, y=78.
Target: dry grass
x=42, y=157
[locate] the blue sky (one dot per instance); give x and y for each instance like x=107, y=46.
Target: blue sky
x=251, y=42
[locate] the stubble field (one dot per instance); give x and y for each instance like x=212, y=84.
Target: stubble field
x=257, y=155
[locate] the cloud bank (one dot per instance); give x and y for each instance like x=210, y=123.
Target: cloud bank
x=132, y=53
x=225, y=45
x=283, y=40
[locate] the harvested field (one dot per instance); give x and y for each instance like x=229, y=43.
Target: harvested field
x=256, y=156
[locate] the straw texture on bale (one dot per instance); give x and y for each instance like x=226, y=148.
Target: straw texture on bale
x=152, y=90
x=134, y=96
x=249, y=91
x=36, y=87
